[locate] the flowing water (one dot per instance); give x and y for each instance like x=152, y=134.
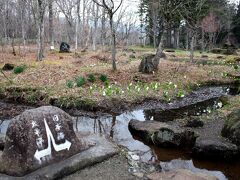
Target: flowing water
x=116, y=129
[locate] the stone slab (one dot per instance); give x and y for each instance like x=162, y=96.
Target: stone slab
x=102, y=150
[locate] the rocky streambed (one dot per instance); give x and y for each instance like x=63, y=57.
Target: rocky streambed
x=173, y=135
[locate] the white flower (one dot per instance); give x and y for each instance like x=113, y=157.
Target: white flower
x=123, y=92
x=182, y=96
x=166, y=93
x=175, y=86
x=185, y=77
x=104, y=93
x=147, y=88
x=220, y=104
x=91, y=87
x=130, y=84
x=170, y=83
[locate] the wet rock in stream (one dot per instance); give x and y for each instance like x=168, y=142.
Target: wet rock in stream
x=214, y=148
x=162, y=134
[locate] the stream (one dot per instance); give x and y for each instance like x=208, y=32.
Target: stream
x=204, y=100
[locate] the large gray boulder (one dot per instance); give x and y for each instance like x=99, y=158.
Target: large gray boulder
x=214, y=148
x=162, y=134
x=231, y=129
x=38, y=138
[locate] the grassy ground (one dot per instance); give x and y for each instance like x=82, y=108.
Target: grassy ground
x=64, y=79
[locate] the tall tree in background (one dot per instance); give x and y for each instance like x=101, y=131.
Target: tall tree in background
x=168, y=11
x=210, y=25
x=95, y=11
x=41, y=7
x=109, y=6
x=192, y=11
x=236, y=24
x=51, y=28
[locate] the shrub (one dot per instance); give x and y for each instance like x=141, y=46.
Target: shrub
x=103, y=78
x=91, y=78
x=70, y=83
x=80, y=81
x=19, y=69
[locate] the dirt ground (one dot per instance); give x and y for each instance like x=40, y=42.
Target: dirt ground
x=115, y=168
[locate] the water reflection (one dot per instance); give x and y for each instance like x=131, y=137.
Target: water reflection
x=116, y=129
x=165, y=115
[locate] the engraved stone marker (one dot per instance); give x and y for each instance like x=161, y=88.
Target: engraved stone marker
x=37, y=138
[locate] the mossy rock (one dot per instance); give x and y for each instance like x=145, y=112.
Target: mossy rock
x=231, y=129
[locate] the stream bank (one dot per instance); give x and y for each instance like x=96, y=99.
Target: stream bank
x=200, y=103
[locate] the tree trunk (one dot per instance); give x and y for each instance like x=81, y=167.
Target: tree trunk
x=77, y=25
x=23, y=30
x=187, y=40
x=158, y=55
x=51, y=29
x=113, y=43
x=95, y=11
x=154, y=29
x=40, y=41
x=76, y=35
x=41, y=12
x=203, y=39
x=176, y=38
x=192, y=48
x=103, y=33
x=13, y=46
x=83, y=39
x=169, y=37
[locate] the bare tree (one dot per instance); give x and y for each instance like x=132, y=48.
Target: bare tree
x=103, y=28
x=51, y=28
x=210, y=25
x=67, y=7
x=109, y=6
x=41, y=7
x=95, y=10
x=77, y=24
x=192, y=11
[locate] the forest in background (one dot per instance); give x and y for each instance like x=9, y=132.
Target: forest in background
x=84, y=24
